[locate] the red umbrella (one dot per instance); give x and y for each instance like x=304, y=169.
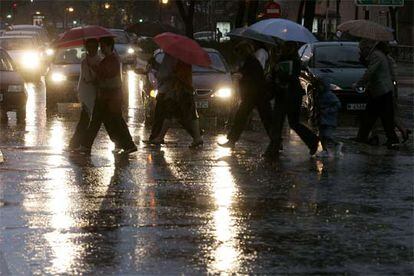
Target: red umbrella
x=183, y=48
x=76, y=36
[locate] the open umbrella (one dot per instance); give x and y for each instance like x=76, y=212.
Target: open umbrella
x=150, y=29
x=76, y=36
x=183, y=48
x=284, y=29
x=367, y=29
x=247, y=33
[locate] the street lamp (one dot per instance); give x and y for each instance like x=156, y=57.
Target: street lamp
x=67, y=10
x=70, y=9
x=165, y=2
x=162, y=2
x=107, y=6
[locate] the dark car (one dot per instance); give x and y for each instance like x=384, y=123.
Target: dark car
x=214, y=91
x=13, y=94
x=339, y=61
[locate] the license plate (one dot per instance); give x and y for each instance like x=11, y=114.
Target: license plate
x=360, y=106
x=202, y=104
x=1, y=97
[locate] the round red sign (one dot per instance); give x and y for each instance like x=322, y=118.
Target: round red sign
x=272, y=10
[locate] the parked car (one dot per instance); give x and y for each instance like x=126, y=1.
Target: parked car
x=339, y=61
x=26, y=54
x=124, y=46
x=13, y=94
x=214, y=92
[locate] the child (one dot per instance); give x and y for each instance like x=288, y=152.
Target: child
x=328, y=106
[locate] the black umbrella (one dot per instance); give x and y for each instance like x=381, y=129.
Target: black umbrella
x=247, y=33
x=151, y=29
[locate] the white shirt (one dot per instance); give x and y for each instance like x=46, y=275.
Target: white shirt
x=262, y=56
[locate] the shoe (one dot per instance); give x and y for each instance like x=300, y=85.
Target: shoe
x=323, y=154
x=406, y=135
x=314, y=148
x=393, y=146
x=152, y=142
x=228, y=144
x=338, y=149
x=196, y=145
x=127, y=151
x=116, y=149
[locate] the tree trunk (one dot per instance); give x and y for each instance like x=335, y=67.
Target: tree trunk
x=240, y=14
x=393, y=14
x=309, y=14
x=187, y=16
x=252, y=12
x=300, y=12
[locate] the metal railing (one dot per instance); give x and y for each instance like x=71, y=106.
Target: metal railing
x=403, y=53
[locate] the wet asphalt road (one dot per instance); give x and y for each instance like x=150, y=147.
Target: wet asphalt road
x=172, y=210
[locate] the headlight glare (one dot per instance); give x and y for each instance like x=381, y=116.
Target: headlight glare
x=154, y=93
x=224, y=92
x=130, y=51
x=58, y=77
x=50, y=52
x=30, y=60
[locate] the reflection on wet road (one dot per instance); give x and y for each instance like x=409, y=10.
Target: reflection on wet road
x=172, y=210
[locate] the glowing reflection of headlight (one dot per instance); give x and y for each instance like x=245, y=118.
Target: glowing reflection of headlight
x=50, y=52
x=154, y=93
x=130, y=51
x=30, y=60
x=58, y=77
x=224, y=92
x=334, y=87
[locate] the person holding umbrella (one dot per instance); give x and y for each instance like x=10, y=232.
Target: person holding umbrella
x=87, y=89
x=108, y=107
x=252, y=92
x=175, y=85
x=288, y=101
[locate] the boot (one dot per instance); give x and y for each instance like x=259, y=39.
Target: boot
x=195, y=130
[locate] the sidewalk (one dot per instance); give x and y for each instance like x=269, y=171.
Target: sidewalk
x=405, y=74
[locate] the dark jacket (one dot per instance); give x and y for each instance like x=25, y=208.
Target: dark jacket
x=253, y=80
x=328, y=105
x=286, y=75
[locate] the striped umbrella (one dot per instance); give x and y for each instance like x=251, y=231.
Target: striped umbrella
x=367, y=29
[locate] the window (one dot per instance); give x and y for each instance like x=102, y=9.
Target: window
x=337, y=56
x=15, y=43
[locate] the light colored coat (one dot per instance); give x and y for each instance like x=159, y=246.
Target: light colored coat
x=87, y=87
x=378, y=76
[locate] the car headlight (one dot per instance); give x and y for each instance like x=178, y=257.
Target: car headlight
x=130, y=51
x=224, y=92
x=30, y=60
x=58, y=77
x=154, y=93
x=15, y=88
x=49, y=52
x=334, y=87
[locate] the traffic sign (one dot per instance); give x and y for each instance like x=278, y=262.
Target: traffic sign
x=272, y=10
x=395, y=3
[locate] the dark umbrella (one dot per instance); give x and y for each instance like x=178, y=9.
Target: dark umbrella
x=151, y=29
x=246, y=33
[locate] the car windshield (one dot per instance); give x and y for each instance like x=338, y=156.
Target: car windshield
x=337, y=56
x=16, y=43
x=217, y=64
x=70, y=55
x=5, y=64
x=121, y=37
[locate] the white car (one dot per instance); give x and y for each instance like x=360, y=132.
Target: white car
x=26, y=54
x=42, y=33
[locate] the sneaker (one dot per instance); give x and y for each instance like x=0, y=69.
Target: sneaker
x=127, y=151
x=338, y=149
x=228, y=144
x=323, y=154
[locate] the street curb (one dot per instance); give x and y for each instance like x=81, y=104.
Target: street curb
x=1, y=157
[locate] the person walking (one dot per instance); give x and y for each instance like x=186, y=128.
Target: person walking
x=176, y=101
x=252, y=93
x=87, y=88
x=108, y=106
x=327, y=106
x=288, y=101
x=380, y=90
